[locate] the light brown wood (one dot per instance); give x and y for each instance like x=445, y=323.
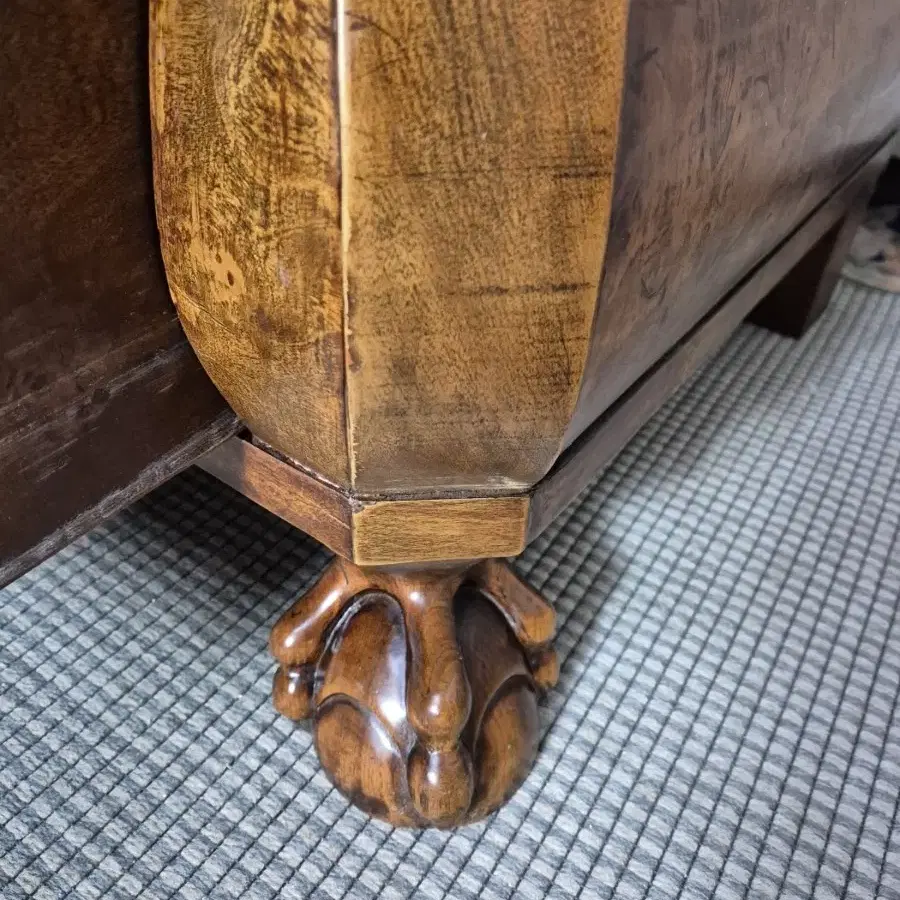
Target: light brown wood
x=384, y=229
x=422, y=685
x=101, y=397
x=427, y=528
x=377, y=533
x=478, y=141
x=245, y=136
x=394, y=532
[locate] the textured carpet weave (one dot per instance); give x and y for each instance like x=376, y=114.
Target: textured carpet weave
x=727, y=719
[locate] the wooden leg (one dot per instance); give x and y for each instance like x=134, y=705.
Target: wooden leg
x=422, y=685
x=802, y=295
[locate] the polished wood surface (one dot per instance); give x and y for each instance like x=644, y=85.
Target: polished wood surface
x=446, y=259
x=422, y=685
x=384, y=234
x=392, y=532
x=101, y=397
x=372, y=533
x=737, y=120
x=387, y=233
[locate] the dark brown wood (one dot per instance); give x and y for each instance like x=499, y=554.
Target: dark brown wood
x=62, y=477
x=100, y=395
x=800, y=298
x=422, y=685
x=598, y=446
x=738, y=119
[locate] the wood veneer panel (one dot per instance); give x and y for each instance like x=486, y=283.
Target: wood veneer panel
x=245, y=126
x=599, y=444
x=393, y=532
x=738, y=119
x=478, y=144
x=101, y=397
x=384, y=223
x=427, y=528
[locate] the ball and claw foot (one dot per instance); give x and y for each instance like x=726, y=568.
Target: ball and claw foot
x=422, y=685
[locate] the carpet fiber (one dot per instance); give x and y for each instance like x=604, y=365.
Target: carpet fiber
x=726, y=721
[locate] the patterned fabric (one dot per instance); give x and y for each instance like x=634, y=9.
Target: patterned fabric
x=726, y=722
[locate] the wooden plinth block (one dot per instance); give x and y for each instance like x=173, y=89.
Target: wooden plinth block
x=422, y=686
x=800, y=298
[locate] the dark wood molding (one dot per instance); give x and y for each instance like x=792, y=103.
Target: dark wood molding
x=292, y=494
x=372, y=532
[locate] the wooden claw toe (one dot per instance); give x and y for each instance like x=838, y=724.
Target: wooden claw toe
x=530, y=616
x=298, y=636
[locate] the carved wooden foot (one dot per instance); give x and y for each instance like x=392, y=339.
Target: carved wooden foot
x=422, y=686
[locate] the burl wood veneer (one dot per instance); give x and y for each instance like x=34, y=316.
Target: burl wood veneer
x=444, y=259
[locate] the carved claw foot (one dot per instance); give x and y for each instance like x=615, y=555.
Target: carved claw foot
x=422, y=686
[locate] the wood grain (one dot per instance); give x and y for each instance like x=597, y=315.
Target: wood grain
x=101, y=397
x=384, y=231
x=738, y=119
x=377, y=533
x=478, y=142
x=396, y=532
x=245, y=129
x=598, y=446
x=423, y=699
x=427, y=528
x=290, y=493
x=455, y=163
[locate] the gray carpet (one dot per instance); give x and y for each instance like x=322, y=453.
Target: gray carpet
x=726, y=722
